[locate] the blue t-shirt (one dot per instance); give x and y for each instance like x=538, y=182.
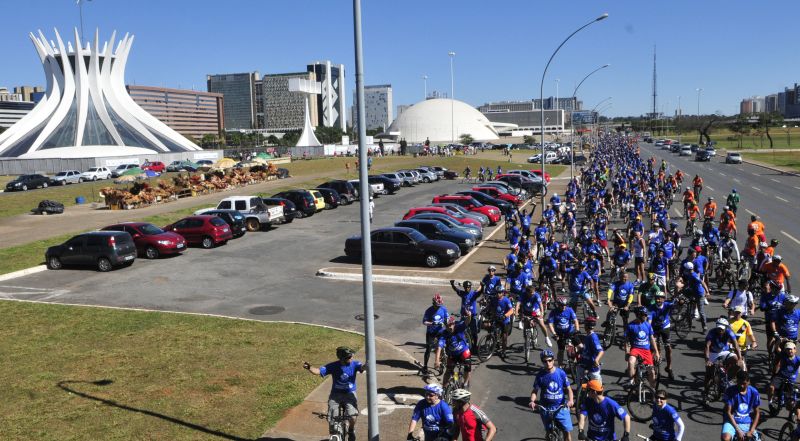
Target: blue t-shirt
x=789, y=367
x=787, y=323
x=516, y=283
x=456, y=341
x=530, y=303
x=741, y=404
x=639, y=335
x=720, y=341
x=434, y=417
x=660, y=265
x=548, y=265
x=490, y=283
x=564, y=321
x=591, y=348
x=512, y=260
x=771, y=303
x=659, y=316
x=577, y=279
x=700, y=263
x=621, y=292
x=621, y=258
x=664, y=420
x=344, y=376
x=540, y=233
x=438, y=316
x=601, y=418
x=514, y=235
x=501, y=307
x=469, y=301
x=552, y=388
x=696, y=284
x=593, y=267
x=669, y=249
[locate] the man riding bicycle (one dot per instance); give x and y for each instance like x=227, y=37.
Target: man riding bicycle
x=457, y=349
x=601, y=411
x=660, y=321
x=578, y=279
x=434, y=319
x=721, y=347
x=697, y=183
x=641, y=344
x=741, y=401
x=529, y=311
x=563, y=323
x=785, y=371
x=620, y=296
x=343, y=387
x=470, y=419
x=732, y=200
x=503, y=310
x=469, y=306
x=435, y=413
x=556, y=396
x=591, y=353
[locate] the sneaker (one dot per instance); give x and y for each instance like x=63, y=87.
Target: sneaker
x=705, y=300
x=548, y=341
x=519, y=325
x=670, y=374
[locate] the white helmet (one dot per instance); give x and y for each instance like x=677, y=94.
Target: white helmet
x=461, y=395
x=688, y=265
x=722, y=322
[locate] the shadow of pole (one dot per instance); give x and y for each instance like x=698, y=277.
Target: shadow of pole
x=65, y=385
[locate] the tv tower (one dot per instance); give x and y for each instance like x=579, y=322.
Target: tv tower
x=655, y=93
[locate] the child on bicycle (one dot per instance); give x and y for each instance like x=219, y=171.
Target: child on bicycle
x=343, y=387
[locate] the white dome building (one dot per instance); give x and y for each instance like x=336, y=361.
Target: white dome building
x=431, y=119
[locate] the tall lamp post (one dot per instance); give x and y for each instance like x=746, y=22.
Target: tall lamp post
x=541, y=91
x=699, y=90
x=597, y=123
x=572, y=137
x=425, y=87
x=452, y=55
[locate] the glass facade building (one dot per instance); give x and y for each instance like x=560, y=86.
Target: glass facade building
x=240, y=102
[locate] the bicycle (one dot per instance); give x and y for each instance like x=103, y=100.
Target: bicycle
x=339, y=423
x=552, y=433
x=719, y=381
x=785, y=397
x=456, y=381
x=786, y=431
x=691, y=223
x=489, y=343
x=685, y=319
x=530, y=337
x=609, y=336
x=641, y=396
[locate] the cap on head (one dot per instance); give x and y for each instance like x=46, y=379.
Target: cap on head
x=437, y=299
x=739, y=309
x=594, y=385
x=789, y=345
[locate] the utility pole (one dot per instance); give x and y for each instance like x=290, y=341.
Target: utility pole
x=653, y=117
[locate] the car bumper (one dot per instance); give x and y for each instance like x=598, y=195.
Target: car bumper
x=122, y=259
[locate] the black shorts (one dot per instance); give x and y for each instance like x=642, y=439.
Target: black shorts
x=662, y=334
x=465, y=359
x=638, y=260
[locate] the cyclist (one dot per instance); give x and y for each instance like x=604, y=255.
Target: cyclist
x=688, y=199
x=529, y=310
x=732, y=200
x=740, y=296
x=601, y=412
x=467, y=174
x=741, y=401
x=728, y=249
x=435, y=413
x=510, y=261
x=696, y=286
x=343, y=387
x=578, y=279
x=553, y=384
x=434, y=319
x=490, y=282
x=660, y=321
x=721, y=347
x=503, y=310
x=638, y=257
x=743, y=331
x=457, y=349
x=469, y=306
x=525, y=222
x=540, y=235
x=777, y=275
x=771, y=303
x=692, y=214
x=549, y=215
x=785, y=370
x=697, y=183
x=620, y=296
x=659, y=267
x=514, y=234
x=470, y=420
x=563, y=323
x=710, y=209
x=595, y=269
x=641, y=343
x=786, y=324
x=665, y=420
x=757, y=226
x=591, y=353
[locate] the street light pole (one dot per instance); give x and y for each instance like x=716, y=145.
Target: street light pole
x=452, y=55
x=572, y=135
x=678, y=118
x=541, y=93
x=699, y=90
x=425, y=85
x=597, y=123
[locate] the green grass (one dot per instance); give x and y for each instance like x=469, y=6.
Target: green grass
x=30, y=254
x=782, y=159
x=728, y=140
x=71, y=373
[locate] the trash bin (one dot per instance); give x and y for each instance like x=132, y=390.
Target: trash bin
x=80, y=200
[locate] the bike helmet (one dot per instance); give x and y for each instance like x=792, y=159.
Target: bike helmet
x=773, y=243
x=688, y=266
x=343, y=352
x=437, y=299
x=698, y=249
x=660, y=295
x=777, y=258
x=467, y=284
x=461, y=395
x=640, y=310
x=562, y=301
x=590, y=321
x=673, y=225
x=722, y=323
x=710, y=198
x=491, y=268
x=791, y=300
x=753, y=217
x=623, y=246
x=451, y=320
x=733, y=190
x=789, y=345
x=547, y=353
x=434, y=389
x=762, y=244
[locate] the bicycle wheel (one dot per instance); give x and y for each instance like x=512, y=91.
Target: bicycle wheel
x=786, y=432
x=640, y=402
x=534, y=337
x=609, y=332
x=486, y=346
x=684, y=325
x=442, y=362
x=527, y=343
x=447, y=394
x=716, y=391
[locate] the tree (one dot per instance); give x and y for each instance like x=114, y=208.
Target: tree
x=208, y=140
x=766, y=120
x=290, y=138
x=466, y=139
x=528, y=139
x=272, y=139
x=740, y=127
x=373, y=132
x=328, y=135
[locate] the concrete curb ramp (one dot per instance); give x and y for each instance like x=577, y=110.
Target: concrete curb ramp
x=381, y=278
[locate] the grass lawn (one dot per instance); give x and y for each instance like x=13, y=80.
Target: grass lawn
x=782, y=159
x=729, y=140
x=71, y=373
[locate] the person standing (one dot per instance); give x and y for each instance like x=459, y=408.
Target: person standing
x=343, y=387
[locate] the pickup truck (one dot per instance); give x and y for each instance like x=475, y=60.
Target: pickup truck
x=374, y=187
x=257, y=214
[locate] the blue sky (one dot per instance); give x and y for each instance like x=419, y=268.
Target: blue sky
x=730, y=49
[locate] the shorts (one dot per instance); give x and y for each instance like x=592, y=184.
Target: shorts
x=727, y=428
x=533, y=314
x=647, y=356
x=584, y=371
x=662, y=334
x=638, y=261
x=777, y=381
x=430, y=340
x=574, y=295
x=603, y=243
x=719, y=356
x=595, y=278
x=348, y=399
x=465, y=358
x=660, y=280
x=562, y=417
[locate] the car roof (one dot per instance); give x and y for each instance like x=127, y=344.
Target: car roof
x=398, y=229
x=102, y=233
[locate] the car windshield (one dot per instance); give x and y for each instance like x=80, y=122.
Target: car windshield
x=61, y=174
x=93, y=169
x=416, y=236
x=150, y=230
x=475, y=202
x=218, y=222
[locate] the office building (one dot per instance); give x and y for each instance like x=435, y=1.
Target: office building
x=754, y=104
x=377, y=107
x=771, y=103
x=188, y=112
x=27, y=92
x=285, y=110
x=13, y=111
x=5, y=95
x=566, y=104
x=330, y=102
x=240, y=99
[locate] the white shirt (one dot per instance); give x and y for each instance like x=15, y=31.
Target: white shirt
x=740, y=298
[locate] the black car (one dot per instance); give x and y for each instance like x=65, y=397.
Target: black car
x=675, y=148
x=433, y=229
x=702, y=155
x=532, y=187
x=27, y=182
x=302, y=199
x=405, y=245
x=331, y=196
x=485, y=199
x=579, y=159
x=453, y=224
x=233, y=218
x=101, y=249
x=289, y=208
x=346, y=190
x=390, y=185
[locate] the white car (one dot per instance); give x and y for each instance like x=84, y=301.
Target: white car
x=733, y=158
x=67, y=177
x=96, y=173
x=117, y=172
x=548, y=158
x=686, y=150
x=375, y=188
x=527, y=173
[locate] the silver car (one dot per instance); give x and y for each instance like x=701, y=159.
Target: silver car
x=482, y=218
x=427, y=175
x=67, y=177
x=414, y=179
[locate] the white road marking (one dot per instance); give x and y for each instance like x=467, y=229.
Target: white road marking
x=751, y=213
x=778, y=197
x=797, y=188
x=791, y=237
x=774, y=180
x=754, y=174
x=737, y=180
x=756, y=188
x=723, y=174
x=710, y=187
x=677, y=212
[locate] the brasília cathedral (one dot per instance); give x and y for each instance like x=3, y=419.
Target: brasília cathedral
x=86, y=110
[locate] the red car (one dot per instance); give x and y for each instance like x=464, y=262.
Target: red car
x=539, y=173
x=156, y=166
x=441, y=210
x=498, y=193
x=468, y=202
x=206, y=231
x=150, y=240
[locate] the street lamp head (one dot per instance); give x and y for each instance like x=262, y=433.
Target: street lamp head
x=602, y=17
x=605, y=66
x=451, y=53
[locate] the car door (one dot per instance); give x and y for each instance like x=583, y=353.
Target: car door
x=428, y=229
x=93, y=248
x=404, y=247
x=71, y=254
x=382, y=247
x=180, y=227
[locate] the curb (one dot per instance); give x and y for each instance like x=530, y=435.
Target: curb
x=783, y=172
x=24, y=272
x=404, y=280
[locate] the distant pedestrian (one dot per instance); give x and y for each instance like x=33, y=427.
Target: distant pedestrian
x=347, y=167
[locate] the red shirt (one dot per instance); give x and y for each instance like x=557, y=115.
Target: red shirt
x=471, y=422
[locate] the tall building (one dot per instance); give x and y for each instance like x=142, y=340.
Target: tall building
x=754, y=104
x=331, y=102
x=13, y=111
x=378, y=107
x=188, y=112
x=5, y=95
x=240, y=98
x=771, y=103
x=566, y=104
x=27, y=92
x=285, y=110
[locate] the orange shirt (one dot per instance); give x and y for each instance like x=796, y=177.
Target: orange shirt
x=729, y=226
x=756, y=226
x=751, y=246
x=776, y=272
x=694, y=212
x=760, y=226
x=731, y=215
x=688, y=196
x=710, y=209
x=697, y=181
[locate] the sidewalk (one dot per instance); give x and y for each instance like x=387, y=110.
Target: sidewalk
x=399, y=389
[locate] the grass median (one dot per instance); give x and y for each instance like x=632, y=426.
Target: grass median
x=87, y=373
x=789, y=160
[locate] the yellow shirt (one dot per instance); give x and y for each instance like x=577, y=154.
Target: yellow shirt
x=741, y=328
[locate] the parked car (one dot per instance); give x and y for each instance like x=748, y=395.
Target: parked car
x=405, y=245
x=695, y=147
x=459, y=210
x=332, y=199
x=408, y=175
x=205, y=163
x=150, y=240
x=289, y=208
x=156, y=166
x=303, y=201
x=433, y=229
x=176, y=166
x=95, y=173
x=375, y=188
x=471, y=204
x=101, y=249
x=427, y=176
x=319, y=200
x=686, y=151
x=531, y=187
x=27, y=182
x=457, y=216
x=527, y=173
x=346, y=190
x=257, y=214
x=485, y=199
x=451, y=223
x=539, y=173
x=579, y=159
x=733, y=158
x=404, y=182
x=233, y=218
x=67, y=177
x=117, y=172
x=450, y=174
x=390, y=185
x=516, y=191
x=204, y=230
x=499, y=194
x=549, y=157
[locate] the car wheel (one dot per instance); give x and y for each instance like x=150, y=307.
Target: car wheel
x=44, y=185
x=207, y=242
x=426, y=180
x=94, y=178
x=432, y=260
x=63, y=183
x=288, y=220
x=80, y=180
x=151, y=253
x=252, y=225
x=104, y=265
x=54, y=263
x=300, y=214
x=25, y=187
